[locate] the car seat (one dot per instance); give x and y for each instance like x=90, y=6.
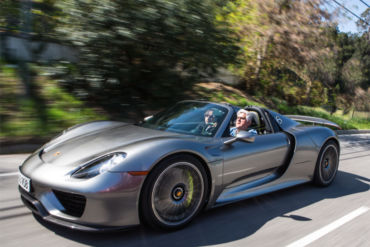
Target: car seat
x=258, y=118
x=255, y=121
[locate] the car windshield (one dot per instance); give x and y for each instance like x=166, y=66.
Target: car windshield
x=190, y=118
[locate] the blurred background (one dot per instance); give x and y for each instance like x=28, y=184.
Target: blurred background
x=67, y=62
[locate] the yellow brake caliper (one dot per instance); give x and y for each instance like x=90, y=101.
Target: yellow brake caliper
x=191, y=189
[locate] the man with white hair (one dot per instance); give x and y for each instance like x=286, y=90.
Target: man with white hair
x=243, y=122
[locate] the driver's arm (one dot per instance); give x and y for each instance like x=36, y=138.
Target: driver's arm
x=198, y=129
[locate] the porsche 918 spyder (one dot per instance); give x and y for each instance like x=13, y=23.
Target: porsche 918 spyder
x=107, y=175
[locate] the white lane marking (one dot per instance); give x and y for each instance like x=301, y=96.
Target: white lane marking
x=8, y=174
x=326, y=229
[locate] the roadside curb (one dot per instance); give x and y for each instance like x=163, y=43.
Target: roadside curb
x=21, y=145
x=351, y=132
x=19, y=149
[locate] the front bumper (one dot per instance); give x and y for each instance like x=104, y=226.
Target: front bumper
x=35, y=206
x=111, y=198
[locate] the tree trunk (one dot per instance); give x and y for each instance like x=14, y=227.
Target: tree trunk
x=353, y=113
x=25, y=77
x=308, y=92
x=306, y=78
x=260, y=57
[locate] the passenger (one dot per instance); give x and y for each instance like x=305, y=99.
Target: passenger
x=243, y=122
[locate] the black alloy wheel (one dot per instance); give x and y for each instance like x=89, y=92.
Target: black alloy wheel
x=327, y=164
x=174, y=193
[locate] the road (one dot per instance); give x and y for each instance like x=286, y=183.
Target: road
x=332, y=216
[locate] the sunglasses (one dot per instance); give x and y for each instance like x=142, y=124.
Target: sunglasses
x=206, y=115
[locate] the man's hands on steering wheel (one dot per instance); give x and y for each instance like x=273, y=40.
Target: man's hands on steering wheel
x=209, y=128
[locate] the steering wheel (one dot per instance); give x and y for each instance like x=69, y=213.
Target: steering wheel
x=209, y=128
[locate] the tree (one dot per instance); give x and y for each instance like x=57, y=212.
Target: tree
x=36, y=17
x=362, y=53
x=364, y=27
x=352, y=72
x=278, y=33
x=31, y=21
x=140, y=53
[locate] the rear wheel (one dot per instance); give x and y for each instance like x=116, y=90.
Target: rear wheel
x=327, y=164
x=174, y=193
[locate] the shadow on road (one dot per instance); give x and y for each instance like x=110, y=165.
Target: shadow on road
x=227, y=223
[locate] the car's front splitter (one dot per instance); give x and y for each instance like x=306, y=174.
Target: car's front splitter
x=36, y=207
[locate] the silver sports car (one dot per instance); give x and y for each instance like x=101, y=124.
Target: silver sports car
x=106, y=175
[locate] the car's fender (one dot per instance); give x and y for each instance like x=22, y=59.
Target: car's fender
x=320, y=135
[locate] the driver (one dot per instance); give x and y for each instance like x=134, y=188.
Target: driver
x=243, y=122
x=210, y=123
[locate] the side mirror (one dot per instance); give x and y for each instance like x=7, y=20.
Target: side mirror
x=244, y=136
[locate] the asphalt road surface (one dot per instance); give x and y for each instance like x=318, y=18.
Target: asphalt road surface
x=305, y=215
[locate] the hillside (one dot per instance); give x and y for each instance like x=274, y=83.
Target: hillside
x=222, y=93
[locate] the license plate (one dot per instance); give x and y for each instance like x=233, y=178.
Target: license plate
x=24, y=181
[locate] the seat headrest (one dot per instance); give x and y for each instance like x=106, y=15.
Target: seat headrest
x=255, y=117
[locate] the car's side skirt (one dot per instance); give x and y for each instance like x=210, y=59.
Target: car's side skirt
x=229, y=196
x=250, y=178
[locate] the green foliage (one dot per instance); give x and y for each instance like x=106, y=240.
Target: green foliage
x=22, y=117
x=283, y=107
x=352, y=123
x=286, y=52
x=361, y=25
x=353, y=61
x=137, y=56
x=273, y=36
x=144, y=54
x=38, y=17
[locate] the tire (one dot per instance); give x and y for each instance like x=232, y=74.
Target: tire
x=174, y=193
x=326, y=165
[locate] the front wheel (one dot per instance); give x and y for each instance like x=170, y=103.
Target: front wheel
x=327, y=164
x=174, y=193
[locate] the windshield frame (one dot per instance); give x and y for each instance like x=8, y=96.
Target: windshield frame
x=225, y=122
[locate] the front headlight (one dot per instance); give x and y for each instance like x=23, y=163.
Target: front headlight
x=99, y=166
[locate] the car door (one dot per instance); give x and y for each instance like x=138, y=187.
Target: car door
x=245, y=162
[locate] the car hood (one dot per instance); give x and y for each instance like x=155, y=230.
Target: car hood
x=87, y=142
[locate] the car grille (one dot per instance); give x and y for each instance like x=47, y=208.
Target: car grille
x=73, y=203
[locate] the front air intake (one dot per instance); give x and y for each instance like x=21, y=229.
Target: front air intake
x=74, y=204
